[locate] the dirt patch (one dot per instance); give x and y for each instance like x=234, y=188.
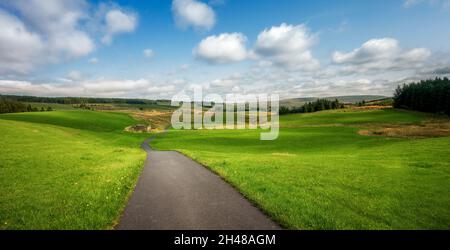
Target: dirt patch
x=423, y=130
x=372, y=107
x=158, y=119
x=152, y=113
x=139, y=128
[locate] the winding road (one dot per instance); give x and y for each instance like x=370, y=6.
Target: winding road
x=175, y=192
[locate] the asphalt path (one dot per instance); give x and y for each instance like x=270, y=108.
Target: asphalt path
x=175, y=192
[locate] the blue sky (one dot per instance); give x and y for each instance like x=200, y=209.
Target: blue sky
x=291, y=47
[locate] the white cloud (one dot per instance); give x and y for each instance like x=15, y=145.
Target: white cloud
x=34, y=33
x=149, y=53
x=117, y=22
x=236, y=89
x=19, y=47
x=223, y=83
x=58, y=22
x=161, y=89
x=225, y=48
x=114, y=86
x=93, y=60
x=287, y=46
x=193, y=13
x=141, y=88
x=75, y=75
x=380, y=54
x=41, y=32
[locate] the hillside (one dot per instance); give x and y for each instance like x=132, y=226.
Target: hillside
x=66, y=169
x=296, y=102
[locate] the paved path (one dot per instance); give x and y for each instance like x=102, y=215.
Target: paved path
x=174, y=192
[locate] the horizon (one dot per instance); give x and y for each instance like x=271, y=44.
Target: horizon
x=125, y=98
x=157, y=49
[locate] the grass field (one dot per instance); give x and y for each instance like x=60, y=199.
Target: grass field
x=66, y=169
x=74, y=169
x=54, y=106
x=321, y=174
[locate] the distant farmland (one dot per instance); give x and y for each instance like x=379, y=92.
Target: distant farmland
x=295, y=102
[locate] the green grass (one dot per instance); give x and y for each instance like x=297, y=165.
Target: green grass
x=321, y=174
x=352, y=117
x=54, y=106
x=77, y=119
x=66, y=169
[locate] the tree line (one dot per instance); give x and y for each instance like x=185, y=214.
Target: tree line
x=79, y=100
x=318, y=105
x=431, y=95
x=11, y=106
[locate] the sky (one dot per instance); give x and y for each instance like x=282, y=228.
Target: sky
x=159, y=48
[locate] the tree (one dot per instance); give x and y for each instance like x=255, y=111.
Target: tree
x=431, y=95
x=9, y=106
x=284, y=110
x=318, y=105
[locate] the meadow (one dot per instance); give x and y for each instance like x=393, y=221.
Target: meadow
x=321, y=173
x=66, y=169
x=75, y=169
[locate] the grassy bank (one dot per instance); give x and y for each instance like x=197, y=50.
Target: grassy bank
x=66, y=169
x=321, y=174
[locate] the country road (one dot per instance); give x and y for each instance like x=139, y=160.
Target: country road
x=175, y=192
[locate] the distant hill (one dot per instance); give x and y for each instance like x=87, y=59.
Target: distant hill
x=294, y=102
x=78, y=100
x=351, y=99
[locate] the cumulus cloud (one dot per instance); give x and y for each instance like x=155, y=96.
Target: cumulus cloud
x=380, y=54
x=224, y=48
x=149, y=53
x=58, y=22
x=19, y=47
x=287, y=46
x=41, y=32
x=34, y=33
x=193, y=13
x=118, y=21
